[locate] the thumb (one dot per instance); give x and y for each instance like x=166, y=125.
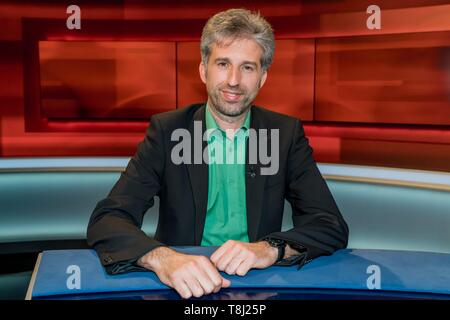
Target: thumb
x=225, y=283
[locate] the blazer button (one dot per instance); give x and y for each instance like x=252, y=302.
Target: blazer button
x=252, y=175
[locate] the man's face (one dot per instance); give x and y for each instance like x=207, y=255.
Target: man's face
x=233, y=75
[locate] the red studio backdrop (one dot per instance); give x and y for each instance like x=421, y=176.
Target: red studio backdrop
x=375, y=97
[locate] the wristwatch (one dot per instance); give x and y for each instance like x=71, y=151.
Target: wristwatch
x=280, y=245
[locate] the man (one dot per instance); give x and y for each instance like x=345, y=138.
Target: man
x=230, y=205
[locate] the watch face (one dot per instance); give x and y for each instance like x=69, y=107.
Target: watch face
x=276, y=242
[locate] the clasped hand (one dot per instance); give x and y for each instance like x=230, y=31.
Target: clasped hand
x=196, y=276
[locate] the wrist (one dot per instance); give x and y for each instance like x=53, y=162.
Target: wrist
x=290, y=251
x=273, y=252
x=154, y=259
x=276, y=250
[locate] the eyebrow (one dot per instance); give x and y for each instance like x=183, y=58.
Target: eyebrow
x=228, y=60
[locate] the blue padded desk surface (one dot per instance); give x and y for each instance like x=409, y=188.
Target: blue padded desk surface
x=348, y=269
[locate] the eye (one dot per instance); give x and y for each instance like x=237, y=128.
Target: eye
x=248, y=68
x=222, y=64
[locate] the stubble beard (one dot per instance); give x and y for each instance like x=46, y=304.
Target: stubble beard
x=230, y=109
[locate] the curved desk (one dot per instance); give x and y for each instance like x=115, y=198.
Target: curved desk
x=347, y=274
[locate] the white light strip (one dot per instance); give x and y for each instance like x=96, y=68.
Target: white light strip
x=398, y=174
x=51, y=163
x=351, y=171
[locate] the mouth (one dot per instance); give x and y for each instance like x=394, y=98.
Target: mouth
x=231, y=96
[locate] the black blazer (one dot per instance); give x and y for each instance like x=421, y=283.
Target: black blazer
x=115, y=226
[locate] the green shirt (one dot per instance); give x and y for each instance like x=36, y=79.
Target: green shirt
x=226, y=215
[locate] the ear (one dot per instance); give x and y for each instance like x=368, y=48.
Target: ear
x=202, y=71
x=263, y=79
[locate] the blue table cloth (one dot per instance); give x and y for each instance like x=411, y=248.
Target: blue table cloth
x=348, y=269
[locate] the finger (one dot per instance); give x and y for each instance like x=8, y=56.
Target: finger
x=235, y=262
x=244, y=267
x=213, y=275
x=194, y=286
x=203, y=279
x=227, y=257
x=225, y=283
x=219, y=252
x=182, y=289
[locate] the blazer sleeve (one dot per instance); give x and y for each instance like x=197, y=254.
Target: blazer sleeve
x=319, y=228
x=114, y=228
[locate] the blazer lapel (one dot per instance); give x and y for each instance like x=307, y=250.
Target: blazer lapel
x=198, y=172
x=254, y=182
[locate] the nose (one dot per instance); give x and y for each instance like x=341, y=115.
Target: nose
x=234, y=77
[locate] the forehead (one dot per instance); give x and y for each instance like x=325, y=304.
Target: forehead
x=239, y=49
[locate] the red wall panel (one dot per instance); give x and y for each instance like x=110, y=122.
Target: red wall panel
x=413, y=116
x=401, y=79
x=190, y=88
x=289, y=87
x=106, y=80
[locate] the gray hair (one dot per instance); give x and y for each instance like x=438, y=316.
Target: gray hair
x=238, y=23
